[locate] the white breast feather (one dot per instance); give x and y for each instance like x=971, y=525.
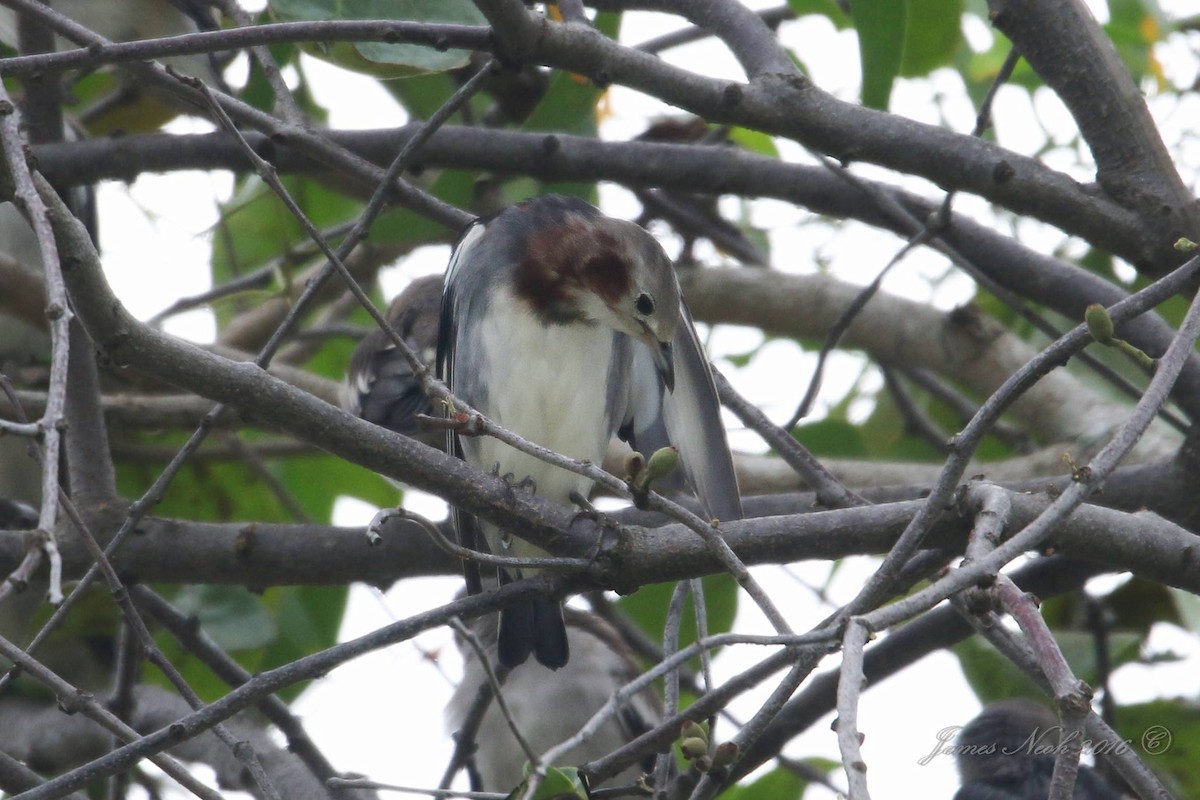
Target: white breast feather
x=548, y=385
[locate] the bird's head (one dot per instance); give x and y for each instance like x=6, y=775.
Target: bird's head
x=584, y=267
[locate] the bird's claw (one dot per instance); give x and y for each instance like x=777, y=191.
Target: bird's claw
x=588, y=511
x=510, y=479
x=584, y=504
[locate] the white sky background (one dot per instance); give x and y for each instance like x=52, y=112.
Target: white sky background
x=382, y=714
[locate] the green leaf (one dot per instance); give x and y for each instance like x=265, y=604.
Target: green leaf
x=230, y=615
x=881, y=26
x=1135, y=27
x=1165, y=734
x=648, y=608
x=206, y=491
x=832, y=438
x=754, y=141
x=381, y=58
x=825, y=8
x=1188, y=607
x=259, y=92
x=317, y=481
x=932, y=36
x=980, y=70
x=422, y=95
x=81, y=650
x=403, y=227
x=1138, y=604
x=885, y=437
x=260, y=632
x=569, y=106
x=778, y=784
x=1099, y=262
x=256, y=227
x=560, y=783
x=308, y=619
x=993, y=677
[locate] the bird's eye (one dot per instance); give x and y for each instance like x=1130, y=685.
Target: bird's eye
x=644, y=304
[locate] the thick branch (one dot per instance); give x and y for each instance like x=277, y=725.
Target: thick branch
x=1063, y=287
x=1069, y=50
x=262, y=555
x=974, y=349
x=936, y=630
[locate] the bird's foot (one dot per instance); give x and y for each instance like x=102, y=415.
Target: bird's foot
x=605, y=523
x=588, y=511
x=527, y=484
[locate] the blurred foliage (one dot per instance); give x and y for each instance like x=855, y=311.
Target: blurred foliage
x=1166, y=735
x=647, y=607
x=1119, y=625
x=382, y=59
x=897, y=39
x=780, y=783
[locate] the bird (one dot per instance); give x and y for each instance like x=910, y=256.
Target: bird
x=566, y=327
x=380, y=385
x=1007, y=753
x=548, y=707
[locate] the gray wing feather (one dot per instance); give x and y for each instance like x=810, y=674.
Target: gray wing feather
x=688, y=418
x=693, y=420
x=469, y=534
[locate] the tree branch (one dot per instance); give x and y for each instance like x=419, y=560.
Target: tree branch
x=1055, y=283
x=1069, y=50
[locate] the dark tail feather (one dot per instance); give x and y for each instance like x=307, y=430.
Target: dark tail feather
x=516, y=636
x=533, y=625
x=549, y=632
x=469, y=537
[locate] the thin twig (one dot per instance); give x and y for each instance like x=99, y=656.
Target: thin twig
x=1070, y=499
x=285, y=104
x=771, y=17
x=100, y=52
x=849, y=692
x=73, y=699
x=553, y=563
x=315, y=144
x=496, y=681
x=968, y=439
x=58, y=311
x=963, y=408
x=188, y=633
x=803, y=661
x=842, y=324
x=1072, y=695
x=830, y=492
x=155, y=493
x=364, y=783
x=915, y=420
x=664, y=762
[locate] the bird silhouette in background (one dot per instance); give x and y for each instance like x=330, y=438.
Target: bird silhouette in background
x=380, y=386
x=566, y=327
x=1007, y=753
x=549, y=707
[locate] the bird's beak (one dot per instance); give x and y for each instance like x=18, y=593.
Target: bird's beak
x=664, y=359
